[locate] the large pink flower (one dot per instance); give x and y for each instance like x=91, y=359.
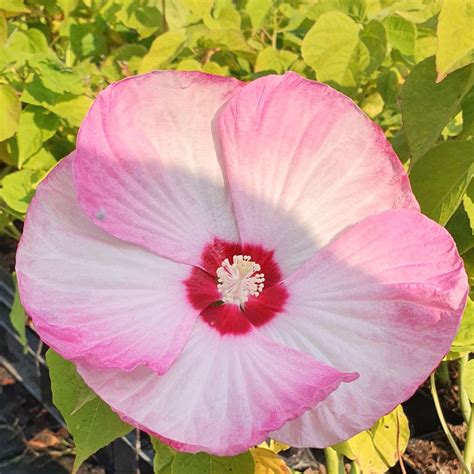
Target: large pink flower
x=217, y=258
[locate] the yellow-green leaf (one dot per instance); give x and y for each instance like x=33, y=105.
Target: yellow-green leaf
x=401, y=34
x=468, y=202
x=18, y=315
x=3, y=28
x=258, y=11
x=468, y=379
x=10, y=108
x=170, y=461
x=36, y=125
x=92, y=425
x=379, y=448
x=464, y=340
x=18, y=188
x=270, y=59
x=267, y=462
x=162, y=51
x=14, y=6
x=455, y=37
x=199, y=7
x=67, y=6
x=330, y=47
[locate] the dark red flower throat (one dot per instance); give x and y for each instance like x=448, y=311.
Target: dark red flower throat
x=232, y=318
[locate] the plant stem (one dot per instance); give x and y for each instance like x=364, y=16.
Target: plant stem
x=13, y=230
x=275, y=30
x=448, y=434
x=464, y=402
x=442, y=372
x=469, y=448
x=333, y=462
x=355, y=469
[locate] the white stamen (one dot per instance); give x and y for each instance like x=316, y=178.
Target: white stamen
x=239, y=280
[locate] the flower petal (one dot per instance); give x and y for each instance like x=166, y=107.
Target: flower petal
x=146, y=169
x=222, y=395
x=384, y=298
x=304, y=149
x=91, y=295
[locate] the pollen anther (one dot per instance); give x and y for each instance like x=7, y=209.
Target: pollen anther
x=239, y=280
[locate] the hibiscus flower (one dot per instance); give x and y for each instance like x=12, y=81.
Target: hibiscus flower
x=225, y=262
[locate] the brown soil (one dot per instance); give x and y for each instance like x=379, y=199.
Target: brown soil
x=433, y=456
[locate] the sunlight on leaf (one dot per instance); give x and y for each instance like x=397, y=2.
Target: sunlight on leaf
x=379, y=448
x=92, y=425
x=455, y=37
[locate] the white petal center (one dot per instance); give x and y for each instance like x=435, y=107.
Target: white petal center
x=239, y=280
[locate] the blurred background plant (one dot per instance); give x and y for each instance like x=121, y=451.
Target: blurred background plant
x=407, y=63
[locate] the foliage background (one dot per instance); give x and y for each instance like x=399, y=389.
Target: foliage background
x=407, y=63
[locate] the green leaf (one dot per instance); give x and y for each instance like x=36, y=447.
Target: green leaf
x=19, y=187
x=425, y=46
x=68, y=106
x=379, y=448
x=57, y=79
x=417, y=11
x=468, y=382
x=464, y=340
x=145, y=19
x=28, y=45
x=18, y=315
x=169, y=461
x=43, y=159
x=401, y=34
x=330, y=47
x=189, y=65
x=375, y=39
x=36, y=125
x=440, y=178
x=468, y=116
x=14, y=6
x=125, y=59
x=270, y=59
x=213, y=68
x=3, y=28
x=427, y=107
x=94, y=425
x=468, y=202
x=199, y=7
x=67, y=6
x=227, y=39
x=455, y=37
x=258, y=10
x=10, y=108
x=72, y=109
x=203, y=463
x=372, y=105
x=223, y=18
x=162, y=51
x=354, y=8
x=400, y=145
x=164, y=457
x=459, y=227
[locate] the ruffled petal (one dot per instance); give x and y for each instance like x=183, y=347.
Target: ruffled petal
x=223, y=395
x=146, y=169
x=93, y=296
x=303, y=162
x=384, y=299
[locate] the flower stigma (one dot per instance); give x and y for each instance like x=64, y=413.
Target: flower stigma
x=239, y=280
